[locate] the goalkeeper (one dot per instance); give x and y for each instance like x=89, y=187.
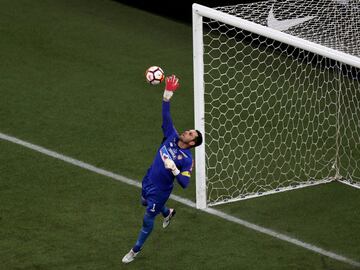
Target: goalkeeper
x=173, y=160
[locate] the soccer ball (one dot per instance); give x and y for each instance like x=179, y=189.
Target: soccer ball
x=154, y=75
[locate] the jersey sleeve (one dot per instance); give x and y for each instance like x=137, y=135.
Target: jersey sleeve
x=167, y=123
x=183, y=177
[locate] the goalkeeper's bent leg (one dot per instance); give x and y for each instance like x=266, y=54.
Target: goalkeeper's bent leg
x=148, y=224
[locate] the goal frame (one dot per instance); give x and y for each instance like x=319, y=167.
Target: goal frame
x=200, y=11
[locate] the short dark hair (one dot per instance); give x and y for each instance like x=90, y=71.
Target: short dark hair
x=198, y=139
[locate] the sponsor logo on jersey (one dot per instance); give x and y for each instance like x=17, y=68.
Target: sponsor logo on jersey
x=179, y=157
x=173, y=152
x=164, y=154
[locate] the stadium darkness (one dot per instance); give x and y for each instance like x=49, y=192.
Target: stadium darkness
x=178, y=10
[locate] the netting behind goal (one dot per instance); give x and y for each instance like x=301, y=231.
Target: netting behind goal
x=276, y=117
x=332, y=23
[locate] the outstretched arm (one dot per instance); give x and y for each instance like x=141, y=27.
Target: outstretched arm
x=171, y=84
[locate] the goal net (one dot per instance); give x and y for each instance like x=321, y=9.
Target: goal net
x=277, y=96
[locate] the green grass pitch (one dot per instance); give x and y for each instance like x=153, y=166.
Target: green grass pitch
x=72, y=80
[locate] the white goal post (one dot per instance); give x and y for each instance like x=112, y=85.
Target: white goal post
x=278, y=110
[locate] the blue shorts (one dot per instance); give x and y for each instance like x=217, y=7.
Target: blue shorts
x=153, y=198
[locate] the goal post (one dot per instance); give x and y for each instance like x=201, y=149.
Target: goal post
x=199, y=109
x=277, y=111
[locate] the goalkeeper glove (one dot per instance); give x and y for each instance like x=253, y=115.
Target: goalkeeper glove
x=170, y=165
x=171, y=84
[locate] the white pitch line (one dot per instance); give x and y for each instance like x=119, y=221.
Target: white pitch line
x=182, y=200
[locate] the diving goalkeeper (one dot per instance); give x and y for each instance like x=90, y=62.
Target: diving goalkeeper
x=173, y=160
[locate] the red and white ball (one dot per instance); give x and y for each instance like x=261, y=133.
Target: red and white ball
x=154, y=75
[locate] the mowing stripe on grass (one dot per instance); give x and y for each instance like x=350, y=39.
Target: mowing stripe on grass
x=184, y=201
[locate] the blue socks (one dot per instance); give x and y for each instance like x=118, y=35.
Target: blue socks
x=148, y=224
x=165, y=211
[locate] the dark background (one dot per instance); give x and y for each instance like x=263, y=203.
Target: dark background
x=178, y=10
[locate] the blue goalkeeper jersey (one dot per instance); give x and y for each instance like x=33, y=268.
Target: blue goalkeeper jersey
x=161, y=177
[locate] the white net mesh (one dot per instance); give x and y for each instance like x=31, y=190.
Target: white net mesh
x=277, y=117
x=332, y=23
